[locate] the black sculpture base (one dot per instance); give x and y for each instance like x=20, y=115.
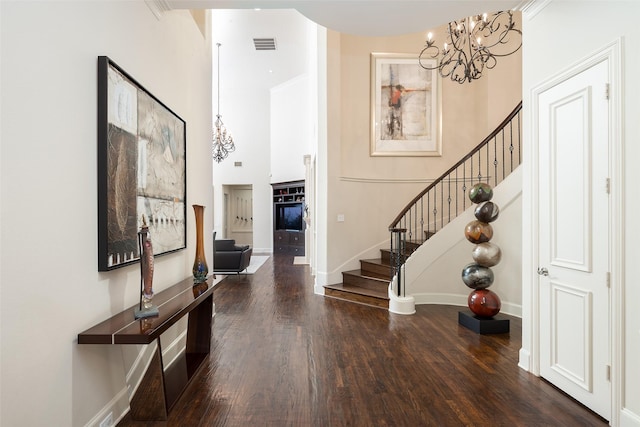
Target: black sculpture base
x=496, y=325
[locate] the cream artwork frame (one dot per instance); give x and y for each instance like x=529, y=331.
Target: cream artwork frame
x=405, y=107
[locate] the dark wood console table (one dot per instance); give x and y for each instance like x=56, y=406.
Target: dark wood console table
x=160, y=388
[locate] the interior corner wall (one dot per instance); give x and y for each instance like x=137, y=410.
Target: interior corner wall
x=550, y=26
x=290, y=129
x=368, y=192
x=327, y=53
x=50, y=287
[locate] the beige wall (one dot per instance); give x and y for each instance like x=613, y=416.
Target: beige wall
x=370, y=191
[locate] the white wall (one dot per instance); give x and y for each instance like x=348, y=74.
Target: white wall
x=561, y=25
x=50, y=287
x=248, y=113
x=250, y=132
x=290, y=129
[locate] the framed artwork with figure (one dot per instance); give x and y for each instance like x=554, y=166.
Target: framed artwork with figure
x=141, y=170
x=405, y=107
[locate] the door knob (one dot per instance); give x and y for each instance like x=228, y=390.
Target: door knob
x=543, y=271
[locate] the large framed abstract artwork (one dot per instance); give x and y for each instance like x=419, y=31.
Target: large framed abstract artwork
x=405, y=107
x=141, y=169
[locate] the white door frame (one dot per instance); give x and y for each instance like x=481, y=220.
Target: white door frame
x=530, y=352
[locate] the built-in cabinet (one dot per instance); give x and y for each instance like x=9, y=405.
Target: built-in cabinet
x=288, y=217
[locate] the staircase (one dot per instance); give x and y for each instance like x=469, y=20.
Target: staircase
x=370, y=284
x=437, y=205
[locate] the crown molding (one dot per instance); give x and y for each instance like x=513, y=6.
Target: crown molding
x=530, y=8
x=158, y=7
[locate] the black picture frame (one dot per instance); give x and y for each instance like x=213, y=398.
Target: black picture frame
x=141, y=169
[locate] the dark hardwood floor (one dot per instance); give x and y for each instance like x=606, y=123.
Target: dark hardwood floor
x=283, y=356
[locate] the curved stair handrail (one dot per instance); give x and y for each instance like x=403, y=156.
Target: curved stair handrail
x=445, y=198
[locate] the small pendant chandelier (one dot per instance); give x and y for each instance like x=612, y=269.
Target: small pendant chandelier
x=222, y=141
x=472, y=45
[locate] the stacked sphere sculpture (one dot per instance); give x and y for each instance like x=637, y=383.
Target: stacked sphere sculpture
x=478, y=275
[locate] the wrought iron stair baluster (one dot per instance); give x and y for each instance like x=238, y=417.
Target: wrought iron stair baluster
x=411, y=220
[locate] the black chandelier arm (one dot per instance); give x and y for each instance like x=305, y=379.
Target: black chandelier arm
x=472, y=44
x=497, y=32
x=457, y=71
x=457, y=65
x=455, y=30
x=484, y=57
x=430, y=51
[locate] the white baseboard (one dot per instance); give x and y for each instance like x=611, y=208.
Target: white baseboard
x=174, y=350
x=134, y=376
x=629, y=419
x=262, y=251
x=118, y=407
x=318, y=289
x=524, y=359
x=461, y=300
x=321, y=279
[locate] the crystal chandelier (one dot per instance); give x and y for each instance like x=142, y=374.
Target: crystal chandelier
x=472, y=45
x=222, y=141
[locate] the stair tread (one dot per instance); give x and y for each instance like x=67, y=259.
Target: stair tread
x=368, y=275
x=376, y=261
x=359, y=290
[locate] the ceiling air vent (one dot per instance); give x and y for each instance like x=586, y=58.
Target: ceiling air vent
x=265, y=44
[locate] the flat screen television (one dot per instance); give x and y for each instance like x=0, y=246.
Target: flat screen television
x=289, y=217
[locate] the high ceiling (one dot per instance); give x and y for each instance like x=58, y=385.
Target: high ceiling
x=364, y=17
x=242, y=66
x=235, y=24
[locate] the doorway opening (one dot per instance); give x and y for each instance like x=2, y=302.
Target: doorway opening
x=238, y=214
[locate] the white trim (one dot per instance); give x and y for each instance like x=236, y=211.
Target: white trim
x=524, y=359
x=401, y=305
x=460, y=300
x=612, y=53
x=158, y=7
x=139, y=367
x=120, y=399
x=617, y=206
x=322, y=279
x=628, y=419
x=407, y=180
x=531, y=8
x=353, y=263
x=387, y=180
x=318, y=289
x=176, y=348
x=405, y=305
x=262, y=251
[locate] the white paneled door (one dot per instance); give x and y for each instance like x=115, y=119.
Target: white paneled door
x=574, y=237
